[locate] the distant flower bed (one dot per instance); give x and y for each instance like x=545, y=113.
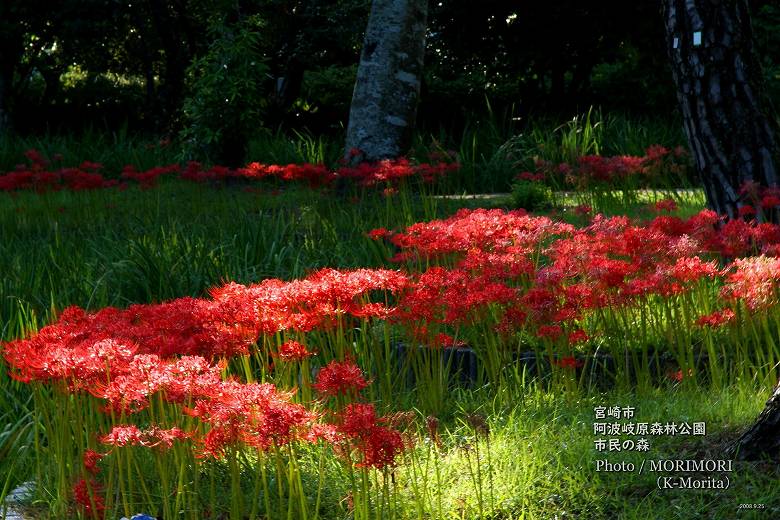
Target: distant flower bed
x=659, y=166
x=41, y=175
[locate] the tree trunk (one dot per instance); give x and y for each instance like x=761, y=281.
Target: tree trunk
x=763, y=438
x=168, y=20
x=384, y=102
x=719, y=88
x=730, y=128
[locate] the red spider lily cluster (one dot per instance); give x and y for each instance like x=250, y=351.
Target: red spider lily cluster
x=536, y=272
x=39, y=175
x=510, y=271
x=757, y=200
x=546, y=274
x=611, y=170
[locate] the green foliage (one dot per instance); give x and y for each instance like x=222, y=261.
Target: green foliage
x=301, y=147
x=116, y=248
x=766, y=23
x=531, y=195
x=112, y=150
x=581, y=135
x=330, y=87
x=226, y=96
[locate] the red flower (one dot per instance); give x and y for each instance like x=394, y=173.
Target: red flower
x=378, y=446
x=123, y=435
x=86, y=494
x=578, y=336
x=378, y=233
x=340, y=378
x=91, y=459
x=293, y=351
x=716, y=319
x=770, y=201
x=583, y=209
x=552, y=332
x=678, y=375
x=667, y=205
x=569, y=362
x=447, y=341
x=531, y=177
x=747, y=211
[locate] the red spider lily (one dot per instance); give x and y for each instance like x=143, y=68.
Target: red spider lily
x=378, y=234
x=530, y=176
x=569, y=362
x=123, y=436
x=303, y=305
x=551, y=332
x=377, y=445
x=87, y=176
x=492, y=231
x=447, y=341
x=148, y=179
x=667, y=205
x=356, y=419
x=451, y=296
x=753, y=280
x=770, y=201
x=131, y=435
x=747, y=211
x=145, y=375
x=256, y=415
x=293, y=351
x=716, y=319
x=578, y=336
x=601, y=169
x=691, y=269
x=86, y=494
x=91, y=459
x=583, y=209
x=325, y=432
x=392, y=171
x=432, y=425
x=339, y=378
x=678, y=375
x=380, y=447
x=655, y=152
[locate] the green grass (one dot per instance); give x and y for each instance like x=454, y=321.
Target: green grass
x=117, y=248
x=491, y=149
x=113, y=150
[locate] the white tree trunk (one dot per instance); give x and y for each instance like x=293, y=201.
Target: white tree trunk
x=384, y=103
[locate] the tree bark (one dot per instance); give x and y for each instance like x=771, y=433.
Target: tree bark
x=719, y=89
x=730, y=128
x=763, y=437
x=384, y=102
x=169, y=17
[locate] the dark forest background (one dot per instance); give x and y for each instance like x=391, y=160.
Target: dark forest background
x=162, y=68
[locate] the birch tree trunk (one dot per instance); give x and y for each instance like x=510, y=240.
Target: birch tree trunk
x=719, y=89
x=384, y=102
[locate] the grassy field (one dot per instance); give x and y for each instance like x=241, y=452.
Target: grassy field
x=522, y=449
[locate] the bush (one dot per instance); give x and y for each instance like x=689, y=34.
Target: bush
x=226, y=99
x=531, y=195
